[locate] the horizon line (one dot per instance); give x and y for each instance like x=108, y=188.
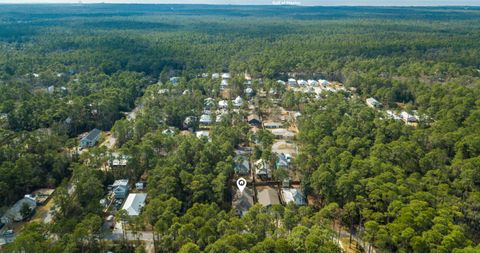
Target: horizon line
x=227, y=4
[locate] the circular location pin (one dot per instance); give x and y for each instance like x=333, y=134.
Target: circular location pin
x=241, y=184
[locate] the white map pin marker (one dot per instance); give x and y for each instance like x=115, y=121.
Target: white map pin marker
x=241, y=184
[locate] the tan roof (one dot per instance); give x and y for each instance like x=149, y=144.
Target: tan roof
x=268, y=197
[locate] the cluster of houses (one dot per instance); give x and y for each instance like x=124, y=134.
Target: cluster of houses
x=120, y=196
x=262, y=186
x=409, y=118
x=311, y=86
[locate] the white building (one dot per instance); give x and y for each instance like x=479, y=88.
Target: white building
x=293, y=195
x=238, y=102
x=226, y=76
x=134, y=203
x=373, y=103
x=292, y=82
x=312, y=82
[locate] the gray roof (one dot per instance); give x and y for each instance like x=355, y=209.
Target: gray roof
x=92, y=135
x=243, y=200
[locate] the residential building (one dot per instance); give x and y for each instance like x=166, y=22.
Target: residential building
x=408, y=118
x=268, y=197
x=283, y=161
x=254, y=120
x=120, y=188
x=292, y=82
x=262, y=169
x=373, y=103
x=293, y=195
x=241, y=165
x=205, y=119
x=242, y=201
x=282, y=133
x=272, y=125
x=238, y=102
x=134, y=203
x=14, y=214
x=91, y=139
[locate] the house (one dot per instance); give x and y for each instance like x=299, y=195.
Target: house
x=222, y=104
x=134, y=203
x=268, y=197
x=186, y=92
x=203, y=134
x=51, y=89
x=204, y=75
x=120, y=188
x=226, y=76
x=292, y=82
x=312, y=82
x=242, y=165
x=238, y=102
x=205, y=119
x=139, y=186
x=118, y=160
x=293, y=195
x=215, y=75
x=282, y=133
x=392, y=115
x=254, y=120
x=373, y=103
x=283, y=161
x=15, y=213
x=281, y=82
x=174, y=80
x=272, y=125
x=169, y=131
x=220, y=115
x=208, y=103
x=189, y=122
x=91, y=139
x=249, y=92
x=262, y=169
x=242, y=201
x=323, y=82
x=223, y=84
x=408, y=118
x=302, y=82
x=163, y=91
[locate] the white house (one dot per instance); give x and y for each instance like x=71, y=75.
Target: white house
x=226, y=76
x=215, y=75
x=292, y=82
x=312, y=82
x=373, y=103
x=222, y=104
x=134, y=203
x=238, y=102
x=323, y=82
x=205, y=119
x=302, y=82
x=408, y=118
x=293, y=195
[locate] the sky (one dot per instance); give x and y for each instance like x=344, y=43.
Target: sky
x=267, y=2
